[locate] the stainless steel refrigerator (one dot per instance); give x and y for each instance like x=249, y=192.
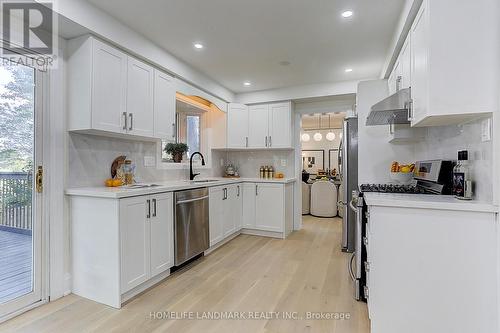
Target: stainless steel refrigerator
x=348, y=167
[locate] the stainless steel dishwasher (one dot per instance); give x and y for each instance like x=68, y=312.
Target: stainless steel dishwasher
x=191, y=224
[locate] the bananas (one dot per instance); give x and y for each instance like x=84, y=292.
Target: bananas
x=404, y=168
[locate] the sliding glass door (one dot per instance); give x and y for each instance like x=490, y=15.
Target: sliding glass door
x=20, y=198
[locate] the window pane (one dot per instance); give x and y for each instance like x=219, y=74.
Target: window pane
x=193, y=134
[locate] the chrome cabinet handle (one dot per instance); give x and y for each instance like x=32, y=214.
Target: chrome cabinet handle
x=367, y=266
x=246, y=141
x=224, y=193
x=391, y=127
x=148, y=215
x=131, y=116
x=365, y=240
x=409, y=106
x=256, y=190
x=191, y=200
x=366, y=292
x=398, y=82
x=124, y=114
x=270, y=141
x=173, y=130
x=266, y=140
x=154, y=207
x=238, y=188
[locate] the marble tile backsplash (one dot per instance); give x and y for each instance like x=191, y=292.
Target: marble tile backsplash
x=90, y=159
x=445, y=141
x=248, y=163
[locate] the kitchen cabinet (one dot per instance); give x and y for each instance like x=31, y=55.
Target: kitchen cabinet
x=280, y=125
x=260, y=126
x=267, y=207
x=404, y=67
x=421, y=260
x=217, y=196
x=164, y=106
x=452, y=80
x=120, y=247
x=110, y=93
x=248, y=220
x=140, y=79
x=225, y=211
x=237, y=126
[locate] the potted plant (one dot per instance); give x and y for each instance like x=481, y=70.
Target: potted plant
x=176, y=150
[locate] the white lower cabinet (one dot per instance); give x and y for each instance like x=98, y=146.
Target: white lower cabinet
x=225, y=212
x=120, y=247
x=248, y=206
x=438, y=264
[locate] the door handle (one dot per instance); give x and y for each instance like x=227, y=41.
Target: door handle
x=154, y=207
x=39, y=179
x=124, y=114
x=131, y=116
x=148, y=215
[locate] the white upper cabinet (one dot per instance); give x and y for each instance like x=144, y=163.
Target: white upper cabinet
x=110, y=92
x=259, y=126
x=109, y=87
x=405, y=64
x=258, y=130
x=280, y=125
x=237, y=126
x=164, y=106
x=453, y=77
x=140, y=79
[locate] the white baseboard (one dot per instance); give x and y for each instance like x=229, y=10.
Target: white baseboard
x=263, y=233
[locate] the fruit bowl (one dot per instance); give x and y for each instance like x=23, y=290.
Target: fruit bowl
x=402, y=177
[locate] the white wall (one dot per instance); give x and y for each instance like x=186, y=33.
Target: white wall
x=298, y=92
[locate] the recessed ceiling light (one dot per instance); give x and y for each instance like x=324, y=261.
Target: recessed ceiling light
x=198, y=45
x=348, y=70
x=247, y=84
x=347, y=13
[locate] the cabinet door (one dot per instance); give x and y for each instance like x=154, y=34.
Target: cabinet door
x=258, y=126
x=134, y=242
x=238, y=207
x=405, y=64
x=162, y=233
x=109, y=88
x=230, y=211
x=269, y=207
x=419, y=64
x=249, y=191
x=140, y=98
x=216, y=212
x=280, y=125
x=164, y=106
x=237, y=125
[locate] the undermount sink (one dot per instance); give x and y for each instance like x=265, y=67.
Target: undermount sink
x=137, y=186
x=204, y=180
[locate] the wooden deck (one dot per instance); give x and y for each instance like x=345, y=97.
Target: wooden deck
x=15, y=265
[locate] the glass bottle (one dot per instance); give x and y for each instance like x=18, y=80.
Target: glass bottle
x=462, y=182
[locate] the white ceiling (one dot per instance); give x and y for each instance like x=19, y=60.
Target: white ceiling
x=247, y=40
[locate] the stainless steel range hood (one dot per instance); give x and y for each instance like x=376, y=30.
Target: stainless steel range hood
x=391, y=110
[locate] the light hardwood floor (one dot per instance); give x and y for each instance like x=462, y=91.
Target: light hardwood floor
x=304, y=273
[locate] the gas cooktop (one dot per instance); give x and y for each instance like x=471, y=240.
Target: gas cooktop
x=394, y=188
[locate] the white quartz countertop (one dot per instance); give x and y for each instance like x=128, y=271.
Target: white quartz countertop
x=124, y=192
x=426, y=201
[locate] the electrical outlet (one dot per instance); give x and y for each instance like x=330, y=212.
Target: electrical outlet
x=486, y=130
x=149, y=161
x=283, y=163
